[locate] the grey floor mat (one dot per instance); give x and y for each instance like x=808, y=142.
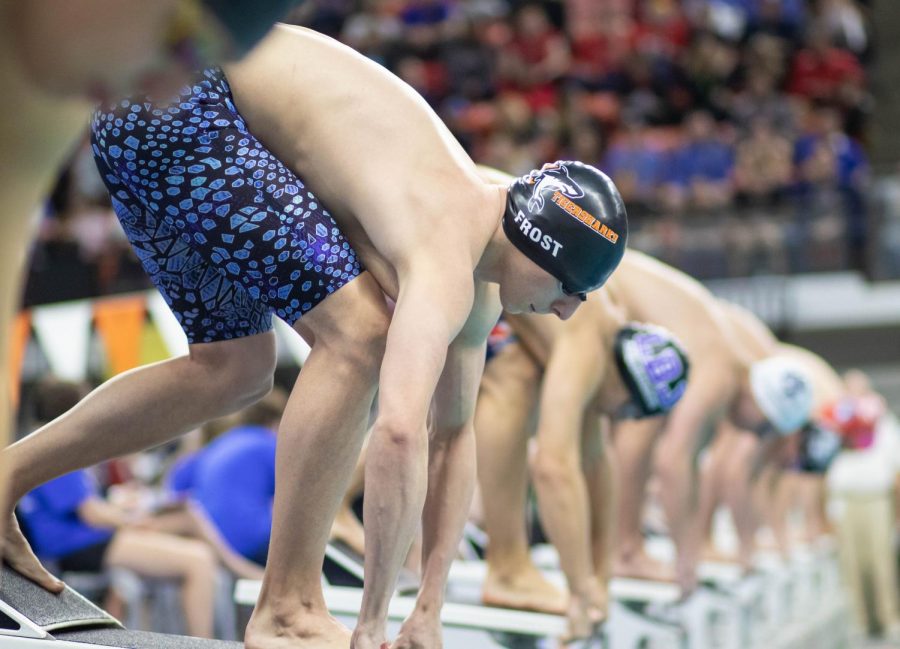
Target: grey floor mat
x=142, y=640
x=47, y=610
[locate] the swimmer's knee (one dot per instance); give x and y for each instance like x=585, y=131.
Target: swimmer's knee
x=399, y=439
x=551, y=466
x=242, y=369
x=361, y=334
x=671, y=460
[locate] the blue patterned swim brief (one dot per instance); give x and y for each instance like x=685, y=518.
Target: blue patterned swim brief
x=228, y=234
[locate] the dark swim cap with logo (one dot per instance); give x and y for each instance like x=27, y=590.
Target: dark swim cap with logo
x=569, y=219
x=654, y=367
x=819, y=447
x=247, y=21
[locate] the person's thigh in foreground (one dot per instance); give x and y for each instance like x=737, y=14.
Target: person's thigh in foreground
x=50, y=91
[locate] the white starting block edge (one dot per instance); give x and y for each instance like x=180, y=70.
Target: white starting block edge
x=347, y=601
x=629, y=590
x=805, y=634
x=16, y=642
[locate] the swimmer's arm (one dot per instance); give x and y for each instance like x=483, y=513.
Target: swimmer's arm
x=573, y=375
x=457, y=391
x=451, y=449
x=431, y=309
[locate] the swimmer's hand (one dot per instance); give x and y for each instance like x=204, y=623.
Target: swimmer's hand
x=18, y=554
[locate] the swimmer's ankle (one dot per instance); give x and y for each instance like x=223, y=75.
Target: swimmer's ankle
x=507, y=565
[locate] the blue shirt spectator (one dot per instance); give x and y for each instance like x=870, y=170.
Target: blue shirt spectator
x=636, y=167
x=233, y=479
x=709, y=160
x=50, y=515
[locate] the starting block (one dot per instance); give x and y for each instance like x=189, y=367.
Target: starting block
x=33, y=618
x=634, y=619
x=507, y=627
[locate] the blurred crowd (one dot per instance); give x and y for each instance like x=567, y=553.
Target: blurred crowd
x=735, y=122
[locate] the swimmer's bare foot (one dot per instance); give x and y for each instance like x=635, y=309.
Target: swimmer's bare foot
x=526, y=589
x=18, y=554
x=348, y=529
x=641, y=566
x=714, y=555
x=315, y=632
x=420, y=631
x=585, y=613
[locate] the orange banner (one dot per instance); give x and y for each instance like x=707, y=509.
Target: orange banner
x=21, y=332
x=120, y=324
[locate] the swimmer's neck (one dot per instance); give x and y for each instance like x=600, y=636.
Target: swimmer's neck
x=489, y=267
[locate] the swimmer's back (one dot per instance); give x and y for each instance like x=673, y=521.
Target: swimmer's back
x=359, y=136
x=653, y=292
x=827, y=384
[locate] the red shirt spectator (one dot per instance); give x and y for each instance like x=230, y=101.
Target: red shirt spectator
x=661, y=28
x=537, y=57
x=820, y=70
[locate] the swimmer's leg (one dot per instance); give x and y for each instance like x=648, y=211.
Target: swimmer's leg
x=508, y=393
x=600, y=474
x=712, y=487
x=634, y=442
x=347, y=528
x=696, y=416
x=318, y=444
x=13, y=242
x=136, y=410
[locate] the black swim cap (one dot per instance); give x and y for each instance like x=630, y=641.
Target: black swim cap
x=569, y=219
x=819, y=447
x=247, y=21
x=654, y=367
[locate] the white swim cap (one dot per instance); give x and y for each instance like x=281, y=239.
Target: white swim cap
x=783, y=391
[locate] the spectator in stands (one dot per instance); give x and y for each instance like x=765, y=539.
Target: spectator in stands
x=711, y=65
x=635, y=164
x=760, y=100
x=845, y=24
x=660, y=29
x=823, y=72
x=372, y=30
x=862, y=481
x=232, y=479
x=763, y=169
x=68, y=521
x=600, y=45
x=701, y=167
x=536, y=59
x=781, y=18
x=469, y=59
x=521, y=80
x=829, y=162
